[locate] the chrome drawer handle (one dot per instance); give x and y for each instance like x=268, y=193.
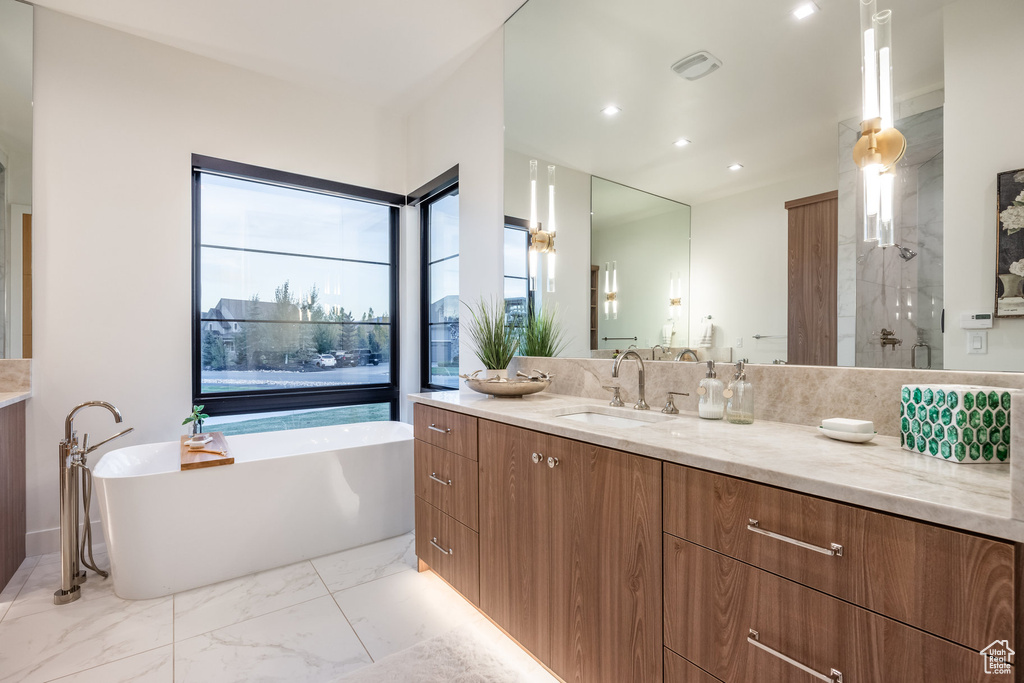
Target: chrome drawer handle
x=537, y=458
x=438, y=429
x=433, y=542
x=834, y=549
x=552, y=461
x=833, y=677
x=433, y=475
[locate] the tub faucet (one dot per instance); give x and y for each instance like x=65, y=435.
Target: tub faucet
x=73, y=456
x=641, y=403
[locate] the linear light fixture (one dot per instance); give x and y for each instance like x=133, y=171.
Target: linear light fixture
x=880, y=146
x=542, y=241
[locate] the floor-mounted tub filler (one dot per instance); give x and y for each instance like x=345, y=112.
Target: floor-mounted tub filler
x=289, y=496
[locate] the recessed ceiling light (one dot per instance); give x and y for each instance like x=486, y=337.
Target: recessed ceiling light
x=805, y=10
x=681, y=142
x=735, y=167
x=610, y=110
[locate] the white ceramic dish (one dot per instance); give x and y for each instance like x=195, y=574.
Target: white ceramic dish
x=847, y=436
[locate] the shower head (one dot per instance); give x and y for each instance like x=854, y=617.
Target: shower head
x=905, y=253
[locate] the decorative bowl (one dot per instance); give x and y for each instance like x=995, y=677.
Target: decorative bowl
x=503, y=387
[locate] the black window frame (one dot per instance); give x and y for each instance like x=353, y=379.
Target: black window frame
x=513, y=223
x=438, y=188
x=267, y=400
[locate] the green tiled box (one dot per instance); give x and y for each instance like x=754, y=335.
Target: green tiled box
x=961, y=423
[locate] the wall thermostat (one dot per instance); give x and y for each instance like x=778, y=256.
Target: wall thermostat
x=976, y=321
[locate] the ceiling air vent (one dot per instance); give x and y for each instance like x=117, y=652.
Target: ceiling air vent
x=697, y=65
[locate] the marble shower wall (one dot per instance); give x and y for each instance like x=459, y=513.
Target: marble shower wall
x=877, y=288
x=796, y=394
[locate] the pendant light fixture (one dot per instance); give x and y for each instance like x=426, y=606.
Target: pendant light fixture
x=880, y=146
x=542, y=241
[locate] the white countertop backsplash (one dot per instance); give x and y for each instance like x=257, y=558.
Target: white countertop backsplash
x=878, y=474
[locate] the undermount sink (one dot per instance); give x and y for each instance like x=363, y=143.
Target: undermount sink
x=611, y=417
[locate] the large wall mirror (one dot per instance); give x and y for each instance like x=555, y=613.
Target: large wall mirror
x=759, y=152
x=15, y=177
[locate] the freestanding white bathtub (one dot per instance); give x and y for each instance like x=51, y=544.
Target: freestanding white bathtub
x=288, y=496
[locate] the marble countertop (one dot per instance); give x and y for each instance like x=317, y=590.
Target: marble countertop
x=878, y=474
x=11, y=397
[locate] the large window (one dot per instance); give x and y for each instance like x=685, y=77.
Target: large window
x=295, y=293
x=518, y=297
x=439, y=216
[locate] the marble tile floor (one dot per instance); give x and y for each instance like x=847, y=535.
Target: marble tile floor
x=312, y=621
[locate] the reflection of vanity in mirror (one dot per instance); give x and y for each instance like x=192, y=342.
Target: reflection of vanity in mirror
x=775, y=253
x=15, y=177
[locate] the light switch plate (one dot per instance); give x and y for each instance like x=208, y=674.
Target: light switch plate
x=977, y=341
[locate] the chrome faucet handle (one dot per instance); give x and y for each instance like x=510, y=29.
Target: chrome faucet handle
x=670, y=405
x=616, y=401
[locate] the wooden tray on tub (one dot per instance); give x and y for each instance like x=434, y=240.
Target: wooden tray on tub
x=193, y=460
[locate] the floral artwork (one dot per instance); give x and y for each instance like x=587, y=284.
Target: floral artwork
x=1010, y=244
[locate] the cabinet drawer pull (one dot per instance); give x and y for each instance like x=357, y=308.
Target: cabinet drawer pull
x=433, y=475
x=433, y=542
x=834, y=676
x=834, y=549
x=552, y=461
x=438, y=429
x=537, y=458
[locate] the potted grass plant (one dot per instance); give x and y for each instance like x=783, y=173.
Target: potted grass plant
x=494, y=338
x=543, y=335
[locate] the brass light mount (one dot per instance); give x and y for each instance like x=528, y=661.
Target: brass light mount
x=675, y=302
x=610, y=296
x=542, y=241
x=877, y=146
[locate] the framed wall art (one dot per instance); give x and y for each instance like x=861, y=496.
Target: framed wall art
x=1010, y=244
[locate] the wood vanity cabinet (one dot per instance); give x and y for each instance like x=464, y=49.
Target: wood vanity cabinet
x=951, y=583
x=830, y=586
x=716, y=606
x=12, y=490
x=570, y=550
x=447, y=507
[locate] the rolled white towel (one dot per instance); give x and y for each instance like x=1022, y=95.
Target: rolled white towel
x=707, y=335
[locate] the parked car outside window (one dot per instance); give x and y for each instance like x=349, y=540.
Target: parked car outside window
x=326, y=360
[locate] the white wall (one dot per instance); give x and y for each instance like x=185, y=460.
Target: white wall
x=738, y=257
x=648, y=251
x=461, y=122
x=985, y=136
x=116, y=120
x=571, y=297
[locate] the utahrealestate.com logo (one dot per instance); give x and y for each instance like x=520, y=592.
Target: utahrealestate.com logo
x=998, y=658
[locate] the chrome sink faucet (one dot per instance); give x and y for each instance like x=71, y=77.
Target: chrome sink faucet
x=641, y=403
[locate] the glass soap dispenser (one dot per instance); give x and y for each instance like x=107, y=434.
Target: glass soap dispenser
x=711, y=404
x=740, y=409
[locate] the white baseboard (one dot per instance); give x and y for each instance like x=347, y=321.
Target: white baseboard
x=47, y=541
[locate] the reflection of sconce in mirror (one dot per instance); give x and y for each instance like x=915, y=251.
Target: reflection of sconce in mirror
x=611, y=291
x=880, y=146
x=542, y=241
x=675, y=295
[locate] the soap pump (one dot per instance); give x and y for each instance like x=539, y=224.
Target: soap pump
x=711, y=405
x=740, y=408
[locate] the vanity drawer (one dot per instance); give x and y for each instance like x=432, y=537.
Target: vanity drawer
x=445, y=429
x=449, y=548
x=953, y=584
x=678, y=670
x=717, y=607
x=448, y=482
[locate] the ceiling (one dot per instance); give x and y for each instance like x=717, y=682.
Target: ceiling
x=387, y=53
x=774, y=106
